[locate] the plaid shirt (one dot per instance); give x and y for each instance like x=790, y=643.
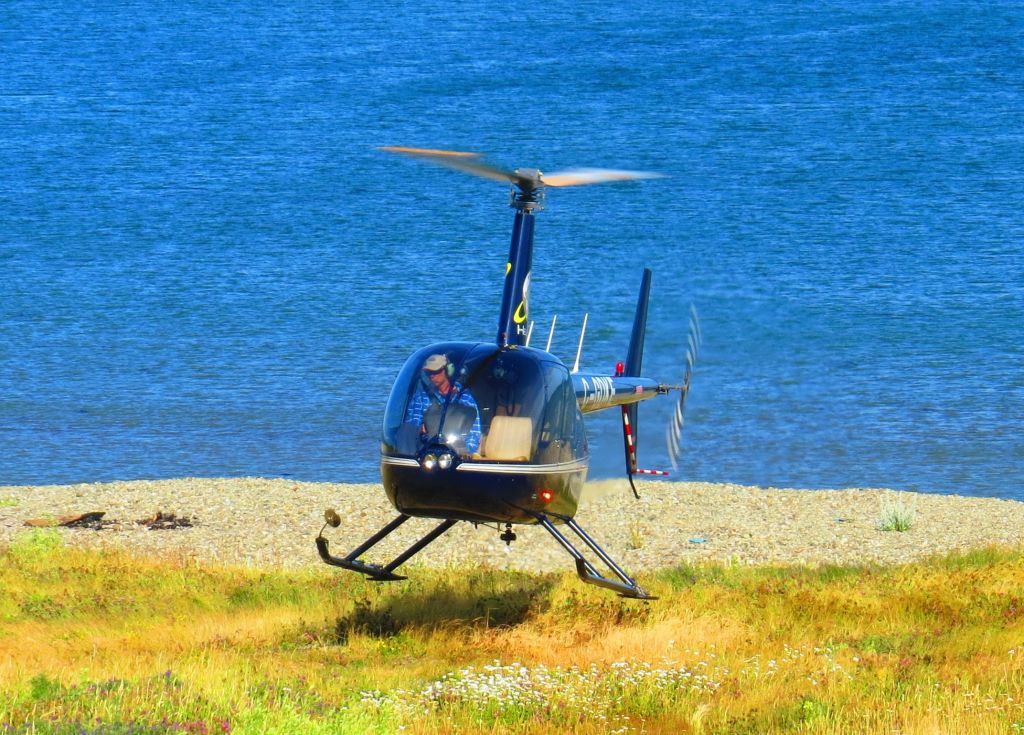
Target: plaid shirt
x=422, y=399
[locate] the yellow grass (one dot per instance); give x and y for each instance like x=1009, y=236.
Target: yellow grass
x=112, y=644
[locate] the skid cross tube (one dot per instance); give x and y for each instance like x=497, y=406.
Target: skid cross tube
x=376, y=572
x=586, y=571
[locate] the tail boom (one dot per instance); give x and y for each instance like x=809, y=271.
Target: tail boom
x=597, y=392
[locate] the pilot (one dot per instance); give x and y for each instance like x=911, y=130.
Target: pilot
x=438, y=388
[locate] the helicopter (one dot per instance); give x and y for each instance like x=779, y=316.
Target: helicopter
x=492, y=433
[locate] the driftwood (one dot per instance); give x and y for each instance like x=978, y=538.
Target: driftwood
x=164, y=521
x=71, y=521
x=160, y=521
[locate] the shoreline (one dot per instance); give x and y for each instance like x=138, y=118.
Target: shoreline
x=272, y=523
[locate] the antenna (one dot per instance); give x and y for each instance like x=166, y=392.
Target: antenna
x=579, y=350
x=529, y=333
x=551, y=333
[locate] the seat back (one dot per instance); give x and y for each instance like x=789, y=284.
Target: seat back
x=509, y=439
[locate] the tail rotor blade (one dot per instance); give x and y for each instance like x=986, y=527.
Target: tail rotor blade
x=673, y=436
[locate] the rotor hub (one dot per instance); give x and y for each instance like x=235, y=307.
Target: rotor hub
x=524, y=198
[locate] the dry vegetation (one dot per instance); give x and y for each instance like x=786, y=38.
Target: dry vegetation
x=109, y=644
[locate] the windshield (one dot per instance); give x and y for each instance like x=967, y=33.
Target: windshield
x=488, y=405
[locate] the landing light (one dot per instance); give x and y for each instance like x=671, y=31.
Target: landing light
x=444, y=461
x=429, y=462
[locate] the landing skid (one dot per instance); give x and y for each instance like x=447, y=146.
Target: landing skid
x=587, y=572
x=376, y=572
x=626, y=587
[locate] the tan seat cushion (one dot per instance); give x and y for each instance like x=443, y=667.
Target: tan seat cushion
x=509, y=439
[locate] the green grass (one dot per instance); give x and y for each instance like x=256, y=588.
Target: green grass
x=107, y=644
x=895, y=515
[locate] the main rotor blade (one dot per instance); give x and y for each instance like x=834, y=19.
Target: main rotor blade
x=585, y=176
x=526, y=179
x=426, y=151
x=458, y=160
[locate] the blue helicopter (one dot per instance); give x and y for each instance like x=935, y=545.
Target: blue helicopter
x=492, y=432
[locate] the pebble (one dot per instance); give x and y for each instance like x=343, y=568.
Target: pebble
x=271, y=523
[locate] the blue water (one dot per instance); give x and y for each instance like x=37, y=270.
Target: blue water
x=208, y=269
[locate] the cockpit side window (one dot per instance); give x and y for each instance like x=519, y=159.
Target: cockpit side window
x=563, y=437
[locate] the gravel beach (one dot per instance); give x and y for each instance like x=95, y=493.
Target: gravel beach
x=272, y=523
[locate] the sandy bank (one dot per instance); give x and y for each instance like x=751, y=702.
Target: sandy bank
x=268, y=522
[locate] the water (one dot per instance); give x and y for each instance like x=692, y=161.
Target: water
x=208, y=270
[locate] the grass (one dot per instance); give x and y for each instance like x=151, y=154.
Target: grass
x=110, y=644
x=637, y=535
x=895, y=515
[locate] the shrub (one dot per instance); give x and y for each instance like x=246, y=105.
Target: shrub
x=896, y=516
x=39, y=543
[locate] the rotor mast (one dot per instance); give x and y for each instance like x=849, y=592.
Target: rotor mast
x=526, y=198
x=528, y=185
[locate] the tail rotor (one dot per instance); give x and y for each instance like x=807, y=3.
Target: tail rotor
x=674, y=433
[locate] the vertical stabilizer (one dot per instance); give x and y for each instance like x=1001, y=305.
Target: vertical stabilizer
x=634, y=361
x=635, y=356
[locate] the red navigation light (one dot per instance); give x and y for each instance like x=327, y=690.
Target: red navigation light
x=619, y=368
x=546, y=496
